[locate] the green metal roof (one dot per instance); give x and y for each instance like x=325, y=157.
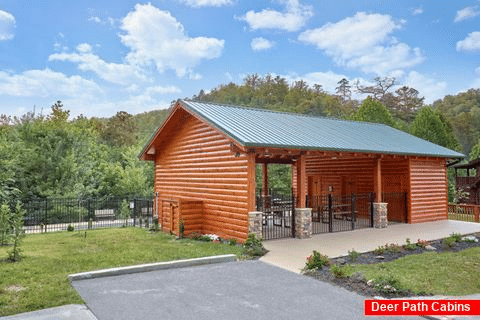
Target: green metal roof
x=265, y=128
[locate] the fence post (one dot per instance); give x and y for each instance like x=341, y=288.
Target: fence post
x=330, y=214
x=372, y=199
x=353, y=211
x=476, y=213
x=292, y=223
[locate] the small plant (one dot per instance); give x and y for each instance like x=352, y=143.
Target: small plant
x=449, y=242
x=156, y=226
x=18, y=234
x=457, y=236
x=338, y=271
x=195, y=235
x=353, y=255
x=422, y=243
x=70, y=228
x=253, y=246
x=316, y=261
x=387, y=284
x=204, y=238
x=392, y=248
x=379, y=250
x=125, y=211
x=232, y=242
x=181, y=229
x=410, y=246
x=5, y=227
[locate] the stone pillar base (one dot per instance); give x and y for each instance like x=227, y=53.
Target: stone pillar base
x=380, y=215
x=255, y=223
x=303, y=223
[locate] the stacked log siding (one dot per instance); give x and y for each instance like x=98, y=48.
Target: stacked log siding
x=196, y=164
x=428, y=192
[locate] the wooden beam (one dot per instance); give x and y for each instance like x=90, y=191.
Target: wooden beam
x=377, y=182
x=301, y=179
x=251, y=182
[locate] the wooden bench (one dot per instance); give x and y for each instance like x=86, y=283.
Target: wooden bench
x=105, y=214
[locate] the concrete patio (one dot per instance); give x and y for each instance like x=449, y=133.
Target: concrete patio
x=290, y=254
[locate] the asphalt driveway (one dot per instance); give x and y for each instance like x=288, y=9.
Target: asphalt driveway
x=234, y=290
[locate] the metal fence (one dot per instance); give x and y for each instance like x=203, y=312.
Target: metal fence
x=464, y=212
x=56, y=214
x=278, y=208
x=334, y=213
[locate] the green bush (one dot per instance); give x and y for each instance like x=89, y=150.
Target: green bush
x=5, y=226
x=449, y=242
x=232, y=242
x=422, y=243
x=339, y=271
x=387, y=284
x=353, y=255
x=253, y=246
x=392, y=248
x=70, y=228
x=316, y=261
x=17, y=226
x=456, y=236
x=410, y=246
x=379, y=250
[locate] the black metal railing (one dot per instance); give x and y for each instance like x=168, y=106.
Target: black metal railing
x=278, y=208
x=56, y=214
x=335, y=213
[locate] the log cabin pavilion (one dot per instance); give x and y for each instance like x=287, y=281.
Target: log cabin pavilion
x=205, y=158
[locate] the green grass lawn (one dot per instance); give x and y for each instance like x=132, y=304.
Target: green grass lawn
x=40, y=281
x=448, y=273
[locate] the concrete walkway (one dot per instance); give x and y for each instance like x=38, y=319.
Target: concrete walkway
x=68, y=312
x=290, y=254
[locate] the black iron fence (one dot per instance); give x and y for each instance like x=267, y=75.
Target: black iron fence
x=278, y=207
x=334, y=213
x=57, y=214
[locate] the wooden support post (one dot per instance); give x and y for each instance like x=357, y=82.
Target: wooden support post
x=476, y=210
x=265, y=179
x=301, y=179
x=251, y=203
x=377, y=183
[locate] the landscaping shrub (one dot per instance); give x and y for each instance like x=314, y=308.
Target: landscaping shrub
x=253, y=246
x=456, y=236
x=70, y=228
x=316, y=261
x=17, y=226
x=353, y=255
x=392, y=248
x=387, y=284
x=379, y=250
x=232, y=242
x=339, y=271
x=409, y=245
x=449, y=242
x=422, y=243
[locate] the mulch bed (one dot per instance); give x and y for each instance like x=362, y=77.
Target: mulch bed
x=358, y=283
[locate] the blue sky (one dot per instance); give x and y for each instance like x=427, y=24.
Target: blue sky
x=100, y=57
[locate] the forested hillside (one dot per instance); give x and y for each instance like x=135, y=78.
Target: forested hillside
x=54, y=155
x=42, y=156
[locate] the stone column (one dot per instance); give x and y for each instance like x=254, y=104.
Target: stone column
x=380, y=215
x=303, y=223
x=255, y=224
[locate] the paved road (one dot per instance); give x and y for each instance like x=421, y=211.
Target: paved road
x=235, y=290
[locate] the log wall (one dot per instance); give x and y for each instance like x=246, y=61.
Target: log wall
x=196, y=164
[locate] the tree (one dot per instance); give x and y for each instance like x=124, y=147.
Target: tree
x=120, y=130
x=429, y=125
x=408, y=103
x=379, y=89
x=343, y=90
x=373, y=111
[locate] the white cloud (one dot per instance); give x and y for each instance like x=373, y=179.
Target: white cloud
x=87, y=61
x=156, y=37
x=417, y=11
x=162, y=90
x=294, y=17
x=45, y=83
x=259, y=44
x=429, y=88
x=328, y=80
x=207, y=3
x=470, y=43
x=364, y=41
x=7, y=24
x=466, y=13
